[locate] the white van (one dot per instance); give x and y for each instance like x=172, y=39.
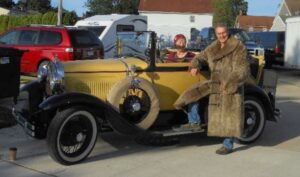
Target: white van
x=106, y=27
x=292, y=43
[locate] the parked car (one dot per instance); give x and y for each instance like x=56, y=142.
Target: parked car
x=273, y=42
x=42, y=43
x=70, y=101
x=9, y=83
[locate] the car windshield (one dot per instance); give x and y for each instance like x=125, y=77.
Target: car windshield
x=96, y=29
x=240, y=34
x=136, y=44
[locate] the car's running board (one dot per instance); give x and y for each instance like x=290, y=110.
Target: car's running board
x=168, y=133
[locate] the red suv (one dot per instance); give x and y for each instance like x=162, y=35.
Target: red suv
x=42, y=43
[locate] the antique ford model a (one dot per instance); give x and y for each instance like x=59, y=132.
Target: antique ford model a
x=69, y=102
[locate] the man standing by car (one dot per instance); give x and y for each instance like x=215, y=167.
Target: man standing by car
x=227, y=60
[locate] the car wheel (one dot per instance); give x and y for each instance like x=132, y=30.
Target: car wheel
x=139, y=105
x=72, y=135
x=255, y=119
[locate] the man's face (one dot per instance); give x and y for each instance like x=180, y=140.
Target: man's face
x=222, y=34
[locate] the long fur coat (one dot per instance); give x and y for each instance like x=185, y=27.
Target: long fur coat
x=229, y=70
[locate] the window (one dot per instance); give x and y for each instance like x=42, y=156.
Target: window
x=10, y=37
x=204, y=33
x=49, y=37
x=96, y=29
x=28, y=37
x=192, y=18
x=83, y=38
x=125, y=28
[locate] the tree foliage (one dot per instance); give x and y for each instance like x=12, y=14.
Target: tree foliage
x=48, y=18
x=39, y=5
x=112, y=6
x=226, y=11
x=7, y=3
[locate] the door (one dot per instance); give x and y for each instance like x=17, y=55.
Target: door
x=172, y=79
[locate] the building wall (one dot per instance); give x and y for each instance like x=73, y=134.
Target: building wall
x=284, y=10
x=170, y=24
x=278, y=25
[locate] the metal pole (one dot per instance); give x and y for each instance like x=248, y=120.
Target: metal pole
x=59, y=12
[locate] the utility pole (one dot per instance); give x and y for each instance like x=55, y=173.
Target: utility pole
x=59, y=12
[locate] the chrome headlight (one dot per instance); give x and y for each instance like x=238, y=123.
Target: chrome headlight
x=55, y=74
x=52, y=75
x=42, y=72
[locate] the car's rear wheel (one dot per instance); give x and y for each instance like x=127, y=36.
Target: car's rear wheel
x=138, y=104
x=72, y=135
x=255, y=119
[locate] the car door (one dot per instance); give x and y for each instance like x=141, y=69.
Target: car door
x=172, y=79
x=27, y=41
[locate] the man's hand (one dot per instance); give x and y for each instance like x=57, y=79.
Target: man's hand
x=194, y=71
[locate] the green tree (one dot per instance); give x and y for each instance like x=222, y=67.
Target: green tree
x=111, y=6
x=226, y=11
x=7, y=3
x=38, y=5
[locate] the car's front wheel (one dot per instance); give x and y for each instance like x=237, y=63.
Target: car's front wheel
x=72, y=135
x=255, y=119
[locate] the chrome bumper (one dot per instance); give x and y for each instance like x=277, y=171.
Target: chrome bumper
x=28, y=127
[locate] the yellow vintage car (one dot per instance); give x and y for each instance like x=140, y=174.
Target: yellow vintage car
x=71, y=101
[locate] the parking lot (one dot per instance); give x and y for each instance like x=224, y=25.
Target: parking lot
x=276, y=153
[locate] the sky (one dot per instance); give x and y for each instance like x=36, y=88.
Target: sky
x=255, y=7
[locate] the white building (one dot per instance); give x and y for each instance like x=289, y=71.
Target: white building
x=171, y=17
x=286, y=9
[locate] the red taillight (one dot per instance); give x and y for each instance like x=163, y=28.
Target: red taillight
x=70, y=53
x=277, y=49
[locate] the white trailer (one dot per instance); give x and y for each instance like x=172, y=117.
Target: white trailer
x=106, y=27
x=167, y=25
x=292, y=43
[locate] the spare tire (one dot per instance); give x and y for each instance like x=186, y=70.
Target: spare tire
x=137, y=103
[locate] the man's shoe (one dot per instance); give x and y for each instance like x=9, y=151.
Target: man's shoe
x=188, y=127
x=224, y=151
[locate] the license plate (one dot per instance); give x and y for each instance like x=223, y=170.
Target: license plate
x=90, y=53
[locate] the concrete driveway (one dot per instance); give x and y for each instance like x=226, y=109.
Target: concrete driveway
x=275, y=154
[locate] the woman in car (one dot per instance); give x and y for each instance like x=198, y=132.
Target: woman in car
x=179, y=53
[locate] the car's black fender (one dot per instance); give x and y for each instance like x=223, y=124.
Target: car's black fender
x=253, y=90
x=34, y=92
x=99, y=107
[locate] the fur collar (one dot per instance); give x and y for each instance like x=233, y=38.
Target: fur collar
x=218, y=53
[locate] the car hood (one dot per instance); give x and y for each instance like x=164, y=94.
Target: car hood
x=103, y=65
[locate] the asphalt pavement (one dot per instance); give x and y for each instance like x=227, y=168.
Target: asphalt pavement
x=275, y=154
